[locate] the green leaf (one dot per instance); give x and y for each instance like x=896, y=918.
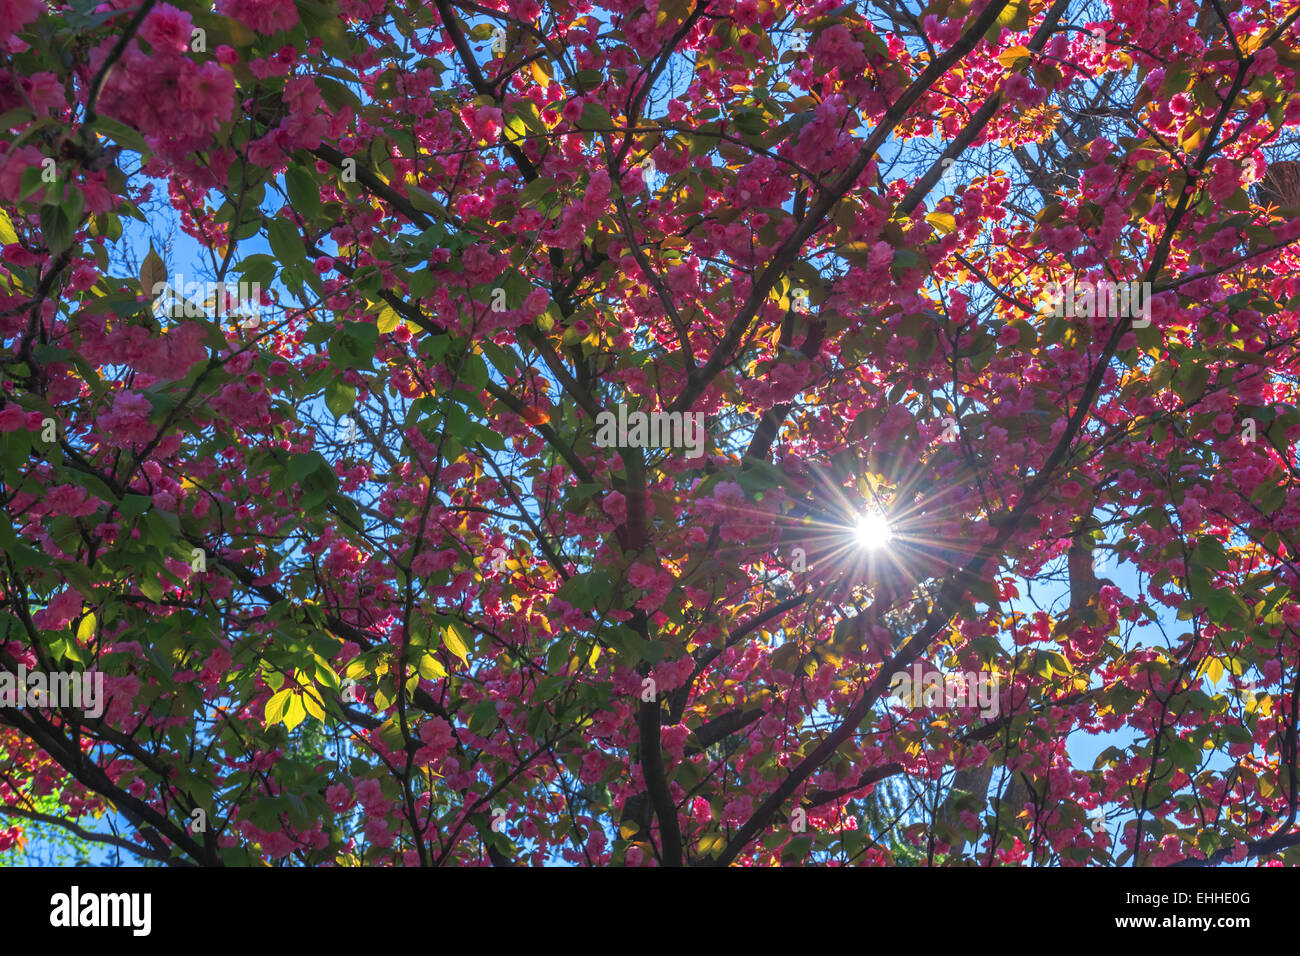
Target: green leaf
x=1237, y=734
x=1050, y=662
x=56, y=227
x=903, y=260
x=1209, y=551
x=595, y=116
x=340, y=397
x=74, y=206
x=501, y=360
x=1183, y=754
x=583, y=590
x=259, y=268
x=484, y=717
x=336, y=94
x=1190, y=382
x=119, y=132
x=31, y=181
x=317, y=487
x=302, y=464
x=151, y=587
x=353, y=345
x=286, y=243
x=304, y=193
x=134, y=505
x=711, y=844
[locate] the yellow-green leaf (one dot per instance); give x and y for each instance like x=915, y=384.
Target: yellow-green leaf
x=945, y=222
x=7, y=234
x=540, y=75
x=515, y=128
x=1014, y=58
x=387, y=320
x=431, y=668
x=455, y=642
x=712, y=844
x=294, y=712
x=315, y=706
x=325, y=674
x=86, y=629
x=275, y=707
x=1014, y=17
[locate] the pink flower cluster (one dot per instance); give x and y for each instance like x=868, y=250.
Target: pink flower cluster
x=175, y=102
x=261, y=16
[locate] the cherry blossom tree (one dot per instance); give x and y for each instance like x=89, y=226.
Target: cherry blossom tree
x=984, y=315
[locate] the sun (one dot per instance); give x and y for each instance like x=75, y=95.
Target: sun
x=873, y=531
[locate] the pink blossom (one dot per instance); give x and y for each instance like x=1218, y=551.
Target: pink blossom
x=12, y=167
x=369, y=792
x=377, y=833
x=262, y=16
x=72, y=500
x=640, y=576
x=61, y=610
x=437, y=736
x=12, y=418
x=614, y=504
x=209, y=92
x=166, y=28
x=128, y=421
x=338, y=797
x=15, y=14
x=483, y=122
x=277, y=845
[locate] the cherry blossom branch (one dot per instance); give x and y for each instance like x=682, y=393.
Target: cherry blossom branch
x=115, y=54
x=789, y=249
x=1006, y=524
